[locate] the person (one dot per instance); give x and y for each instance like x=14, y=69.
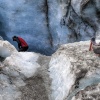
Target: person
x=94, y=46
x=22, y=45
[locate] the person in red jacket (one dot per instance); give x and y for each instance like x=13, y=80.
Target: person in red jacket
x=22, y=45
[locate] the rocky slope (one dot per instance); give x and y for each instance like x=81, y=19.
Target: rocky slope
x=72, y=73
x=46, y=24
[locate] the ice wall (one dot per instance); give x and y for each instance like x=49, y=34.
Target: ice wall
x=45, y=24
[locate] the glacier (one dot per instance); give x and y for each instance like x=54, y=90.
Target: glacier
x=71, y=73
x=58, y=64
x=46, y=24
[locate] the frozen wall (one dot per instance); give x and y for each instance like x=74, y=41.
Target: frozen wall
x=45, y=24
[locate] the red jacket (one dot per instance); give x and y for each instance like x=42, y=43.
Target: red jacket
x=22, y=41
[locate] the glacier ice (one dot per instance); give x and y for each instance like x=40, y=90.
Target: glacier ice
x=46, y=24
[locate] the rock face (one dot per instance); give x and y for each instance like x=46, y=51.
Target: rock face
x=46, y=24
x=72, y=73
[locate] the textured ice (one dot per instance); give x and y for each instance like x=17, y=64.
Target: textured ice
x=46, y=24
x=24, y=63
x=60, y=69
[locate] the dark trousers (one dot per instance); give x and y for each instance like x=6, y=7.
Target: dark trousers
x=23, y=49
